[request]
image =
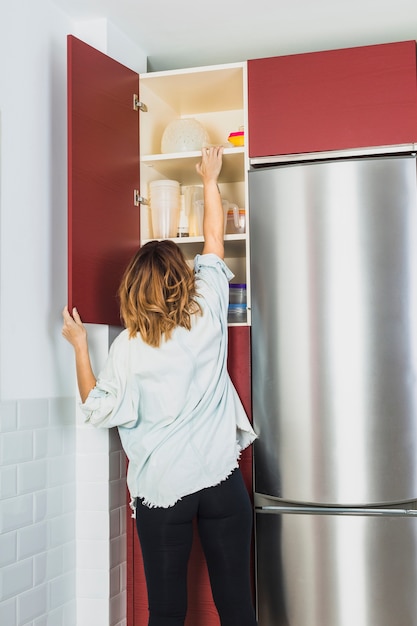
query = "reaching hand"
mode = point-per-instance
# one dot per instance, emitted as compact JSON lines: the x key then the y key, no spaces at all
{"x":73,"y":329}
{"x":211,"y":163}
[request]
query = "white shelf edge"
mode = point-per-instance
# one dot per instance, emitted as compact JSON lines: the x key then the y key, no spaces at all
{"x":198,"y":239}
{"x":187,"y":155}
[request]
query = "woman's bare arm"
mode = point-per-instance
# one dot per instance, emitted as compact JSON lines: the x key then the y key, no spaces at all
{"x":213,"y":223}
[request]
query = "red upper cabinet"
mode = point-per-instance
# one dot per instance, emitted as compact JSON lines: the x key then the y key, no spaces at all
{"x":106,"y":158}
{"x":103,"y":172}
{"x":333,"y":100}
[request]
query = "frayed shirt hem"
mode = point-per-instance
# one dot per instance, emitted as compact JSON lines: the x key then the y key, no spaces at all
{"x":152,"y":505}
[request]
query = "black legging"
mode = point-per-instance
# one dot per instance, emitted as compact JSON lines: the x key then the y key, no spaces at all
{"x":224,"y":517}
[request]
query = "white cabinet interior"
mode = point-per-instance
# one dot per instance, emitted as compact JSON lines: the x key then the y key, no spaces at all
{"x":216,"y":97}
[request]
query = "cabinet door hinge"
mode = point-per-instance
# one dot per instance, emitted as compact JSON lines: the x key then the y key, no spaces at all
{"x":138,"y":105}
{"x":138,"y":199}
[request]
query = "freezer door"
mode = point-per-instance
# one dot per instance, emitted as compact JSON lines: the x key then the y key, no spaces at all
{"x":334,"y":330}
{"x":336,"y":570}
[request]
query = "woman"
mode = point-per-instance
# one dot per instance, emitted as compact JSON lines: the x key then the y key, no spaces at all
{"x":165,"y":386}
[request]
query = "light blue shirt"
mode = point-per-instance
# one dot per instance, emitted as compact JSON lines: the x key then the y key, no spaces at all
{"x":180,"y":419}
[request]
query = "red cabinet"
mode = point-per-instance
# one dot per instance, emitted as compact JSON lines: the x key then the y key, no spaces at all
{"x":103,"y":172}
{"x":333,"y":100}
{"x":104,"y":225}
{"x":106,"y":155}
{"x":201,"y":608}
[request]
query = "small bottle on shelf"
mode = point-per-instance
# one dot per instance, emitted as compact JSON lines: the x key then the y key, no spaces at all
{"x":183,"y":229}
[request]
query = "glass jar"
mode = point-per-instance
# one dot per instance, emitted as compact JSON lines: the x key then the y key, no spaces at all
{"x":237,"y":303}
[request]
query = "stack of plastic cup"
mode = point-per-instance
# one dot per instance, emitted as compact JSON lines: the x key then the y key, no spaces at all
{"x":165,"y":208}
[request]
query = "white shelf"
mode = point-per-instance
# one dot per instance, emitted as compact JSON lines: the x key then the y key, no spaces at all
{"x":230,"y":240}
{"x":181,"y":165}
{"x":216,"y":97}
{"x":199,"y":89}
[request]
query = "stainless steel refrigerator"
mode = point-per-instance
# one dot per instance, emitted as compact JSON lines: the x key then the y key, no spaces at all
{"x":334,"y":345}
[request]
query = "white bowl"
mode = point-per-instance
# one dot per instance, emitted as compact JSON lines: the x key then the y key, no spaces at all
{"x":184,"y":135}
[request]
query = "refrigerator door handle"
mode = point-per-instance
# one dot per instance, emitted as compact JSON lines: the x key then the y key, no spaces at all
{"x":323,"y":510}
{"x":309,"y":157}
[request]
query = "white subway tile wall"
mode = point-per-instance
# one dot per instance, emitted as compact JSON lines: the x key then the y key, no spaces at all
{"x":37,"y":512}
{"x":100,"y":527}
{"x":62,"y":518}
{"x":118,"y":511}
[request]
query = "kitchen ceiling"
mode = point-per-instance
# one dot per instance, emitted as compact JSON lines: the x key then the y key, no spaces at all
{"x":188,"y":34}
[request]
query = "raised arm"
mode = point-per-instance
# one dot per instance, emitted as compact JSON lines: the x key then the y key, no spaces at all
{"x":213,"y":223}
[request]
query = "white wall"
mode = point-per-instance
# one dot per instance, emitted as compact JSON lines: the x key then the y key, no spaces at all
{"x":33,"y":197}
{"x":34,"y":361}
{"x":42,"y":452}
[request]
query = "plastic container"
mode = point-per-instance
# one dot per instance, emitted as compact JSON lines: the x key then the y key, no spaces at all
{"x":236,"y":221}
{"x":191,"y":194}
{"x":198,"y":212}
{"x":237,"y":303}
{"x":237,"y":139}
{"x":165,"y":208}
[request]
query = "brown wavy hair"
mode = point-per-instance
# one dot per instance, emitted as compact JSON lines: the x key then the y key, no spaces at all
{"x":157,"y":292}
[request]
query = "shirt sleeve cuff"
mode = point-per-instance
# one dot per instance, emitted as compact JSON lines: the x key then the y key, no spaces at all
{"x":212,"y":260}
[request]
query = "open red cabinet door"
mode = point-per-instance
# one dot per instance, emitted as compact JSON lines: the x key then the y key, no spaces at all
{"x":103,"y":169}
{"x":103,"y":173}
